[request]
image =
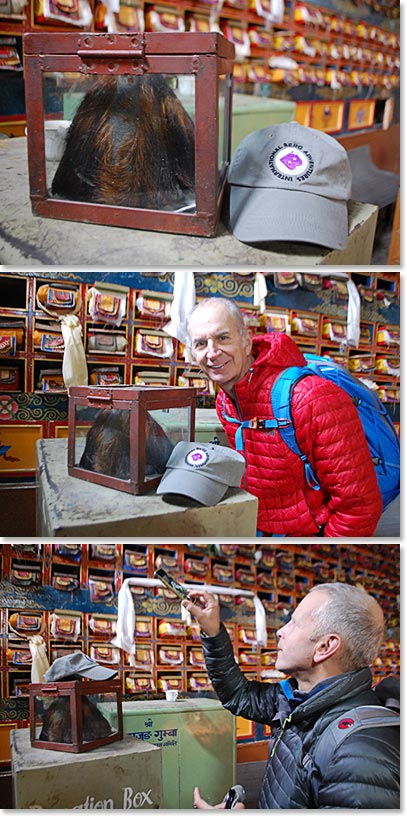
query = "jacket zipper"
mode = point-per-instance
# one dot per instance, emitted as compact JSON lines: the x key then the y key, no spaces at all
{"x":283,"y":727}
{"x":241,"y":417}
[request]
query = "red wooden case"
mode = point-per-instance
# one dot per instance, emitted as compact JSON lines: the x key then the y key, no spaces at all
{"x":127,"y":176}
{"x":122,"y":436}
{"x":68,"y":715}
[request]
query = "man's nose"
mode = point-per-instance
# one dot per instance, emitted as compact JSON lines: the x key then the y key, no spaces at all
{"x":212,"y":348}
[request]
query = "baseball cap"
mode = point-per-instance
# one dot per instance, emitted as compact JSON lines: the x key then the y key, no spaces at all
{"x":77,"y":664}
{"x":291,"y":183}
{"x":201,"y":471}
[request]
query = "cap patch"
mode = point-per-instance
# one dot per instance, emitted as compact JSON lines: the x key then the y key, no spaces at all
{"x":197,"y":458}
{"x":290,"y":161}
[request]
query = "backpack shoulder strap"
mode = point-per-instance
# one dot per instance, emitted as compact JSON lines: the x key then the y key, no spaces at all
{"x":281,"y":398}
{"x":337,"y":731}
{"x":256,"y":423}
{"x":387,"y":692}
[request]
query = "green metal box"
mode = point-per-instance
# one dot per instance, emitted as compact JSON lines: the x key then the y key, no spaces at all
{"x":208,"y":426}
{"x":198,"y":742}
{"x":255,"y":112}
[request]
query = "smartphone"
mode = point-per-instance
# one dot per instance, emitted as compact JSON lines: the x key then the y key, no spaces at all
{"x":171,"y":583}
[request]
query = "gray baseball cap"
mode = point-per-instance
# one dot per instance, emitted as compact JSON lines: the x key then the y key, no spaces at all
{"x":77,"y":664}
{"x":201,"y":471}
{"x":290,"y":183}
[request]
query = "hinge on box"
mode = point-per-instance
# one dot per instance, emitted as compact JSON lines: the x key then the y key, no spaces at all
{"x":117,"y":54}
{"x":101,"y":398}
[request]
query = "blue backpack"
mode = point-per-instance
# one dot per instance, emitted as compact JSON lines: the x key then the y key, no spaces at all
{"x":381,"y":435}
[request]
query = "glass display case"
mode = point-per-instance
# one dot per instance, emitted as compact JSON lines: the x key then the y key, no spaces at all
{"x":131,"y":130}
{"x":122,"y":437}
{"x":67,"y":716}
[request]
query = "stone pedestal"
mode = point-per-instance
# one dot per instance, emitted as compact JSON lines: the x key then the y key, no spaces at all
{"x":27,"y":240}
{"x":71,"y":507}
{"x":126,"y":775}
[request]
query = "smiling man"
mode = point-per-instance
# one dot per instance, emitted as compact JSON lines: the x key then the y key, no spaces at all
{"x":327,"y":425}
{"x":326,"y":649}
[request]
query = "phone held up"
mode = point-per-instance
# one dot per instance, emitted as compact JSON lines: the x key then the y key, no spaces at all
{"x":171,"y":583}
{"x":174,"y":586}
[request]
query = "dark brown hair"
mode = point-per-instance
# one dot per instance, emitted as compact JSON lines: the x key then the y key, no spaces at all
{"x":107,"y":447}
{"x":131,"y":143}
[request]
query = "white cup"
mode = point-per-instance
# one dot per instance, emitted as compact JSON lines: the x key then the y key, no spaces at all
{"x":55,"y":135}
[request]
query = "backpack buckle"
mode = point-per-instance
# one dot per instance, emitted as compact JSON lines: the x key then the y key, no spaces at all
{"x":257,"y":424}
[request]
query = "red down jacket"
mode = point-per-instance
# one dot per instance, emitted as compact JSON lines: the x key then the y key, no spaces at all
{"x":328,"y":430}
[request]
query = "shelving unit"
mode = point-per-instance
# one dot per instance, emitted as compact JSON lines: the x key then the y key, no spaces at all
{"x":68,"y":593}
{"x":377,"y":357}
{"x":326,"y":51}
{"x":322,"y":331}
{"x":344,"y":74}
{"x":32,"y":340}
{"x":142,"y":353}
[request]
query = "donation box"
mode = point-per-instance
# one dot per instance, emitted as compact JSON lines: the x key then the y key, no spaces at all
{"x":123,"y":776}
{"x":129,"y":129}
{"x":122,"y":436}
{"x":197,"y":738}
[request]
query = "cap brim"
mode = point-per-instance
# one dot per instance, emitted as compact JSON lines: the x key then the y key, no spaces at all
{"x":263,"y":214}
{"x":192,"y":484}
{"x":97,"y":673}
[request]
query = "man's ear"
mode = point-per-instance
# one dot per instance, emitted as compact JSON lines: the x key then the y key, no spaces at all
{"x":326,"y":647}
{"x":249,"y":342}
{"x":189,"y":353}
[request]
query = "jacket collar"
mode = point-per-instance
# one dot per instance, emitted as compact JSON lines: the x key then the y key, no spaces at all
{"x":276,"y":350}
{"x":272,"y":353}
{"x":342,"y":687}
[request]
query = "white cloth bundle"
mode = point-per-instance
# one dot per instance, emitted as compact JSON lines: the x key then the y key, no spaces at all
{"x":74,"y":367}
{"x":40,"y":662}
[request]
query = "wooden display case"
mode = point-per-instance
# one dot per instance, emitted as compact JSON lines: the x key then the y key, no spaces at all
{"x":66,"y":716}
{"x":182,"y":84}
{"x":145,"y":423}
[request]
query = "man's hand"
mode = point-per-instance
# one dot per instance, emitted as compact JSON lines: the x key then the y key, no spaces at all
{"x":206,"y":610}
{"x":201,"y":804}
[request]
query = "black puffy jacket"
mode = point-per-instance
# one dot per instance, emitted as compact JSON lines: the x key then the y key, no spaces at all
{"x":364,"y":770}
